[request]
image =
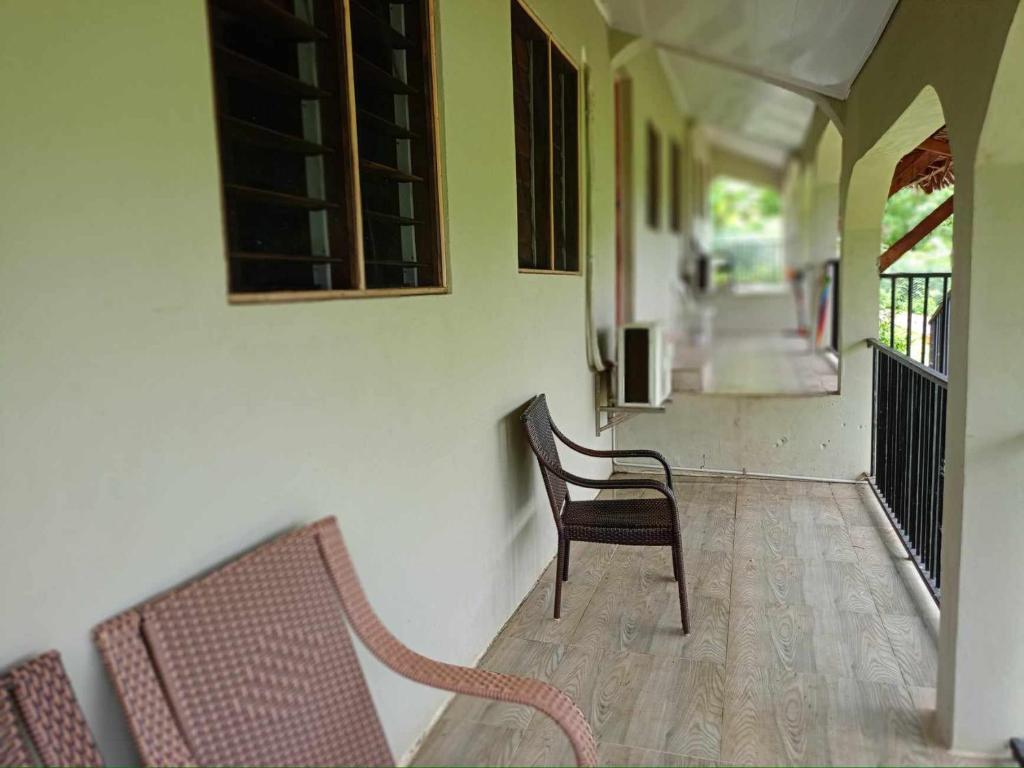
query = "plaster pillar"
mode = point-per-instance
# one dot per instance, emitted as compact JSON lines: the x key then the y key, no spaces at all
{"x":981,"y":663}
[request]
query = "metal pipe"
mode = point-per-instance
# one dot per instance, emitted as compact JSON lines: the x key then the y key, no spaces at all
{"x":924,"y":370}
{"x":736,"y":473}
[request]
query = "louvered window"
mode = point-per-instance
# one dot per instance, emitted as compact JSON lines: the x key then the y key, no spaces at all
{"x":545,"y":91}
{"x":328,"y":151}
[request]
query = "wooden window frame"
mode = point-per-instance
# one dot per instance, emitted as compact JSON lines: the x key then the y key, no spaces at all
{"x":351,"y":181}
{"x":554,"y":45}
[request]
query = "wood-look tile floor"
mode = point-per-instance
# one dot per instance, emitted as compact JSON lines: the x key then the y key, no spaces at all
{"x":808,"y":646}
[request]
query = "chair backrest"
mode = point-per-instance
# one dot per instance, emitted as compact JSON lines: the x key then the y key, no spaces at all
{"x":537,"y":421}
{"x":40,"y":720}
{"x":251,"y":664}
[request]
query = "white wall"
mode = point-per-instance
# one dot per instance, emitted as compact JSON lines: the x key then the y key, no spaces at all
{"x":656,"y":252}
{"x":981,"y":661}
{"x":149,"y":430}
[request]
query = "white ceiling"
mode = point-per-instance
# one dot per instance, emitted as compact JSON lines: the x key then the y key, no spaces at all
{"x":739,"y":66}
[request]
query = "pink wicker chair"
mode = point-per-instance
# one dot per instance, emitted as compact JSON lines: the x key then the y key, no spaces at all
{"x":253,"y":665}
{"x":40,"y":721}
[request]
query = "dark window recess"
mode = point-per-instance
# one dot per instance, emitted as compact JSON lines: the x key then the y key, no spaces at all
{"x":565,"y":154}
{"x":675,"y":187}
{"x":545,"y":93}
{"x":653,"y":177}
{"x":288,"y":164}
{"x":394,"y":109}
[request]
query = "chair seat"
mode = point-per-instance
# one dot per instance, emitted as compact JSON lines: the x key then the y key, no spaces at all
{"x":620,"y":521}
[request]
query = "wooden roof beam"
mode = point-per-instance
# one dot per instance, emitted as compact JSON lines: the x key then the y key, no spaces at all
{"x":936,"y":146}
{"x":909,"y":169}
{"x":921,"y":230}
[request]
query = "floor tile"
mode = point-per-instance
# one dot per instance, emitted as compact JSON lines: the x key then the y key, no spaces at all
{"x":463,"y":742}
{"x":887,"y":582}
{"x":615,"y":755}
{"x":775,"y":717}
{"x":760,"y":539}
{"x":534,"y":619}
{"x":805,"y":639}
{"x":708,"y":574}
{"x":707,"y":532}
{"x":793,"y":581}
{"x":915,"y":648}
{"x":510,"y":655}
{"x":667,"y":704}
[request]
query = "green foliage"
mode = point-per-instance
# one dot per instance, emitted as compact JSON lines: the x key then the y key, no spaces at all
{"x":898,"y":308}
{"x":902,"y":212}
{"x":740,"y":208}
{"x":895,"y":294}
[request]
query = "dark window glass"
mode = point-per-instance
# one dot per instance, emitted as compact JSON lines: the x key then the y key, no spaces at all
{"x":290,"y":120}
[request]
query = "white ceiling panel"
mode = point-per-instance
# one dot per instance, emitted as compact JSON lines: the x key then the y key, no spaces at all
{"x":815,"y":44}
{"x":753,"y":117}
{"x":743,"y":67}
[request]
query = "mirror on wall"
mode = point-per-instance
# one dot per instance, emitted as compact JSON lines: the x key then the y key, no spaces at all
{"x":756,"y":313}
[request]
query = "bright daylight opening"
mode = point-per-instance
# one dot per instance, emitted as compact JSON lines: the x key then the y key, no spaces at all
{"x":746,"y":244}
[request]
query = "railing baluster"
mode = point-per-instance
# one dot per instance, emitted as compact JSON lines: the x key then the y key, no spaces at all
{"x":907,"y":454}
{"x":910,"y":313}
{"x":933,"y":349}
{"x":924,"y":320}
{"x":945,"y":325}
{"x":927,"y":486}
{"x":892,"y":312}
{"x":874,"y":411}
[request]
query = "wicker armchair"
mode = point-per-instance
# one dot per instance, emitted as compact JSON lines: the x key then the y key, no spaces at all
{"x":253,"y":665}
{"x":40,"y":721}
{"x":644,"y":522}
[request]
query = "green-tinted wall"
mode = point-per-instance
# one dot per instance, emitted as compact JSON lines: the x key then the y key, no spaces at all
{"x":150,"y":430}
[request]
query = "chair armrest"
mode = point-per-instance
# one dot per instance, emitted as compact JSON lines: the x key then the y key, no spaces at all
{"x":450,"y":677}
{"x":622,"y":453}
{"x":615,"y":483}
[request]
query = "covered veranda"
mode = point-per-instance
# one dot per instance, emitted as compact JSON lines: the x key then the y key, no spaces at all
{"x":268,"y":261}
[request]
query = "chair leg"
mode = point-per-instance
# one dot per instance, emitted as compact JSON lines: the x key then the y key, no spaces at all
{"x":675,"y":564}
{"x":558,"y":579}
{"x":684,"y":609}
{"x":565,"y":561}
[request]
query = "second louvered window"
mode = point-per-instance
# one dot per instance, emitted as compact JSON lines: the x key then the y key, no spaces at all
{"x":545,"y":93}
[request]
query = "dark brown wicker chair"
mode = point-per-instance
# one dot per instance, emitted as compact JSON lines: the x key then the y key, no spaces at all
{"x":40,"y":721}
{"x":645,"y":522}
{"x":253,"y":665}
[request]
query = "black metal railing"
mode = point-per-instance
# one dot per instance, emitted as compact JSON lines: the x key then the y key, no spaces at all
{"x":908,"y":450}
{"x":832,"y":273}
{"x":914,"y":316}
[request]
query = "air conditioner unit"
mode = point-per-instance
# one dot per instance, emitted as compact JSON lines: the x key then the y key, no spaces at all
{"x":644,"y":365}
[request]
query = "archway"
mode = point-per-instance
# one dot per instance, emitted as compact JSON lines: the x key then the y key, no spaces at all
{"x":862,"y":209}
{"x":824,"y":239}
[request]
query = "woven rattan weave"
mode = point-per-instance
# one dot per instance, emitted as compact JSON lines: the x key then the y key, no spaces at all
{"x":40,"y":720}
{"x":253,"y":665}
